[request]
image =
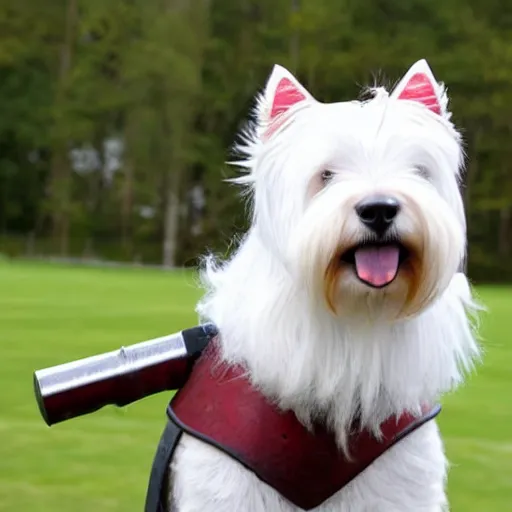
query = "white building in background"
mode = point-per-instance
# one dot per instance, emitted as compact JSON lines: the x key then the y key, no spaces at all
{"x":87,"y":159}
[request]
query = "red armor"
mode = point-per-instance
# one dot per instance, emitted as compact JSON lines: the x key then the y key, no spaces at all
{"x":219,"y":406}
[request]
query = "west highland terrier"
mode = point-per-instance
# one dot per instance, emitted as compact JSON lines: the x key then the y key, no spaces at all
{"x":345,"y":303}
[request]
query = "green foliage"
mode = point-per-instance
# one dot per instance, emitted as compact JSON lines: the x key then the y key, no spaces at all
{"x":175,"y":79}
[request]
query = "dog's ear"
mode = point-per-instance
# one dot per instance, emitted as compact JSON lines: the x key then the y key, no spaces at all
{"x":419,"y":85}
{"x":283,"y":94}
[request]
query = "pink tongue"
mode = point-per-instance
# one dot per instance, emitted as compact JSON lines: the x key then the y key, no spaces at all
{"x":377,"y":266}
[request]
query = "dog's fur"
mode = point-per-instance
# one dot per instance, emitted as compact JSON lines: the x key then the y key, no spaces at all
{"x":312,"y":335}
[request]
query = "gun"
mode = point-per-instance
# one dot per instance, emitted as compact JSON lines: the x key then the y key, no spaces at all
{"x":120,"y":377}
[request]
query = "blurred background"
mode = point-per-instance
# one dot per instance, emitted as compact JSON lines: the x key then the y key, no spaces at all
{"x":116,"y":118}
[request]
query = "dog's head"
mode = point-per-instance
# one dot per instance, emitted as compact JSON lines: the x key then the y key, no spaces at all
{"x":360,"y":200}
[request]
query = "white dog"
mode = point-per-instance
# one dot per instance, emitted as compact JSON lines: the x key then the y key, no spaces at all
{"x":345,"y":299}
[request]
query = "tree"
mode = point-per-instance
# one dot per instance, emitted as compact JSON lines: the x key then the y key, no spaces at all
{"x":169,"y":83}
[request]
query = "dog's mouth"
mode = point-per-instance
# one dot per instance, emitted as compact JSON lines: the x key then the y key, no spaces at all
{"x":376,"y":264}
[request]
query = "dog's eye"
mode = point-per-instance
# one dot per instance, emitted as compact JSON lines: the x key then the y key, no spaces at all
{"x":327,"y":176}
{"x":423,"y":172}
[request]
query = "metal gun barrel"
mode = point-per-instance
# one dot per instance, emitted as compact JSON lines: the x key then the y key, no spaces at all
{"x":120,"y":377}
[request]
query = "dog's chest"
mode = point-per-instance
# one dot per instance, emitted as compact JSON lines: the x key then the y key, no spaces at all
{"x":218,"y":407}
{"x":409,"y":476}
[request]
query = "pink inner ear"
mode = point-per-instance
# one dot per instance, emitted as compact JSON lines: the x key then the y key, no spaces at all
{"x":420,"y":88}
{"x":286,"y":95}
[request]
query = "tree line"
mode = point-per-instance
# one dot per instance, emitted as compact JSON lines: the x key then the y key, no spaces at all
{"x":117,"y":117}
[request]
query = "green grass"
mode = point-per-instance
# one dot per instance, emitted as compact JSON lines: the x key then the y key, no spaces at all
{"x":51,"y":314}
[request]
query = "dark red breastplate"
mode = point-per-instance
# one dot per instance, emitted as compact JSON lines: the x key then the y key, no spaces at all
{"x":219,"y":406}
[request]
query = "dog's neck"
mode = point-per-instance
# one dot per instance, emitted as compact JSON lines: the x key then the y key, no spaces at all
{"x":321,"y":366}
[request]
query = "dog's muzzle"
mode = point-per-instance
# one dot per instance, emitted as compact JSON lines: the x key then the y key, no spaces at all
{"x":378,"y":258}
{"x":378,"y":213}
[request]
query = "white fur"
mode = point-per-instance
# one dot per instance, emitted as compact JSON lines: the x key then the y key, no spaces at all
{"x":378,"y":354}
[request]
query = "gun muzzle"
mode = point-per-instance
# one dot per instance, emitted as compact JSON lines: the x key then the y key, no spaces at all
{"x":120,"y":377}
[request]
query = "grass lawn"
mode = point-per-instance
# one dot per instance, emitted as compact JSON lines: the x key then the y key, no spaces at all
{"x":51,"y":314}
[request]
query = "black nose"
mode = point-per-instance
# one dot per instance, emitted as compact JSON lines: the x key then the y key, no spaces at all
{"x":378,"y":212}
